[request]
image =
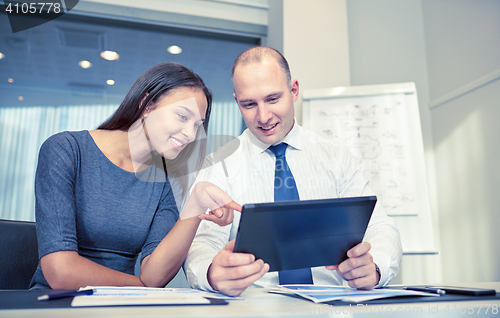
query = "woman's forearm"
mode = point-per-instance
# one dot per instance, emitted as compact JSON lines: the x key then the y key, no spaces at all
{"x":69,"y":270}
{"x":162,"y":265}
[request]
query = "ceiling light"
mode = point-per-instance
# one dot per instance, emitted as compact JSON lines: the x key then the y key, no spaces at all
{"x":174,"y":49}
{"x":85,"y":64}
{"x":10,"y":80}
{"x":21,"y":98}
{"x":110,"y":82}
{"x":110,"y":55}
{"x":1,"y":55}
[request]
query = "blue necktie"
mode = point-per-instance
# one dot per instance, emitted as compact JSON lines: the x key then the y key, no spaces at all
{"x":285,"y":189}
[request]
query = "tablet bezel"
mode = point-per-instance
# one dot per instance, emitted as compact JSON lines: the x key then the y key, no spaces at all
{"x":278,"y":233}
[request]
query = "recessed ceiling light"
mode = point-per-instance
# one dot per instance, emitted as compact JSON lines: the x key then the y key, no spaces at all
{"x":10,"y":80}
{"x":1,"y":55}
{"x":174,"y":49}
{"x":110,"y":55}
{"x":85,"y":64}
{"x":21,"y":98}
{"x":110,"y":82}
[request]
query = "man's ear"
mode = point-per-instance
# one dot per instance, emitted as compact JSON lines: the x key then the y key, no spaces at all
{"x":295,"y":90}
{"x":235,"y":98}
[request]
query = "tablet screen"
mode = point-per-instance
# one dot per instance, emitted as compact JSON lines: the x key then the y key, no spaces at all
{"x":300,"y":234}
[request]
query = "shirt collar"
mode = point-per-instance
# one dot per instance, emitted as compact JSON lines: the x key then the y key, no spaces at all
{"x":292,"y":139}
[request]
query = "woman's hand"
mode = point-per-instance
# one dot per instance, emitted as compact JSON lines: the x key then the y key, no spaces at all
{"x":163,"y":264}
{"x":220,"y":204}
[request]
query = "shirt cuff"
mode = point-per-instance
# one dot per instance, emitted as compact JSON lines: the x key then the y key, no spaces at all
{"x":384,"y":269}
{"x":199,"y":279}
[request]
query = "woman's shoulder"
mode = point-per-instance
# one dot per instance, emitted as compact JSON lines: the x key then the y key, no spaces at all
{"x":66,"y":141}
{"x":67,"y":137}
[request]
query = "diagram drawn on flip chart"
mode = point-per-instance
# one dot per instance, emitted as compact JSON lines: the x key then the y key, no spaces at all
{"x":380,"y":124}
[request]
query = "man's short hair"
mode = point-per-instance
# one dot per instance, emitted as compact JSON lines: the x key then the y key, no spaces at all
{"x":259,"y":53}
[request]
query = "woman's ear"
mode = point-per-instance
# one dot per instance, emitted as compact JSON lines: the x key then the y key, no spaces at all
{"x":147,"y":110}
{"x":142,"y":99}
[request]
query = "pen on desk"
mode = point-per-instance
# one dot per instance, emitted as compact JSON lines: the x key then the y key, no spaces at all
{"x":427,"y":290}
{"x":66,"y":294}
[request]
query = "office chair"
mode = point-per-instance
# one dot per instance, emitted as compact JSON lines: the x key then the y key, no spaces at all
{"x":18,"y":254}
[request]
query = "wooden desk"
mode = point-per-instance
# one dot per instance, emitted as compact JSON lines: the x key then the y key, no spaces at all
{"x":259,"y":303}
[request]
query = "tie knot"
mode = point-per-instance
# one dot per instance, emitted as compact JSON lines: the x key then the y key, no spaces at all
{"x":279,"y":150}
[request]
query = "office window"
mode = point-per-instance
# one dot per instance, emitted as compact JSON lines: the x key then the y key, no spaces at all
{"x":53,"y":78}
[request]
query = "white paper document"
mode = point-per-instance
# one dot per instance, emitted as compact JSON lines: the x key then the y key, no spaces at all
{"x":320,"y":294}
{"x":130,"y":296}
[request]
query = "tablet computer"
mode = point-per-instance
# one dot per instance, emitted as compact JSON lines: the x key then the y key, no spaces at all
{"x":299,"y":234}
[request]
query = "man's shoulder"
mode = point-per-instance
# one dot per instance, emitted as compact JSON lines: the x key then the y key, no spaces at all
{"x":229,"y":145}
{"x":323,"y":148}
{"x":307,"y":132}
{"x":311,"y":138}
{"x":226,"y":149}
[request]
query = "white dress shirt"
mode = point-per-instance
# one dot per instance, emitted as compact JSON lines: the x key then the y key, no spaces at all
{"x":321,"y":170}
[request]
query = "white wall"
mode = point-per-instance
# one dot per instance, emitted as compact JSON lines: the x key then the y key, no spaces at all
{"x":315,"y":43}
{"x":467,"y":152}
{"x":442,"y":45}
{"x":463,"y":44}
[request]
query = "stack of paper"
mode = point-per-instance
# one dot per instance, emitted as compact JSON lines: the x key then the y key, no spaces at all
{"x":320,"y":294}
{"x":126,"y":296}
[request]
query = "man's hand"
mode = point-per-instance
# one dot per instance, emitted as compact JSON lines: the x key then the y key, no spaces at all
{"x":231,"y":273}
{"x":359,"y":269}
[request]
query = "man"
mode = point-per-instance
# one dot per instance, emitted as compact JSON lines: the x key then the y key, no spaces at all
{"x":265,"y":94}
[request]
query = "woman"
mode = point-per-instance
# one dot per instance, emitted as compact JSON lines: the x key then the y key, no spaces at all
{"x":103,"y":196}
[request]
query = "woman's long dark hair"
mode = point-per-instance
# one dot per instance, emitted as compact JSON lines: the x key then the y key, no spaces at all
{"x":159,"y":80}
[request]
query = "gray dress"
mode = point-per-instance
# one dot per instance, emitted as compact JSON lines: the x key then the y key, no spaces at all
{"x":87,"y":204}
